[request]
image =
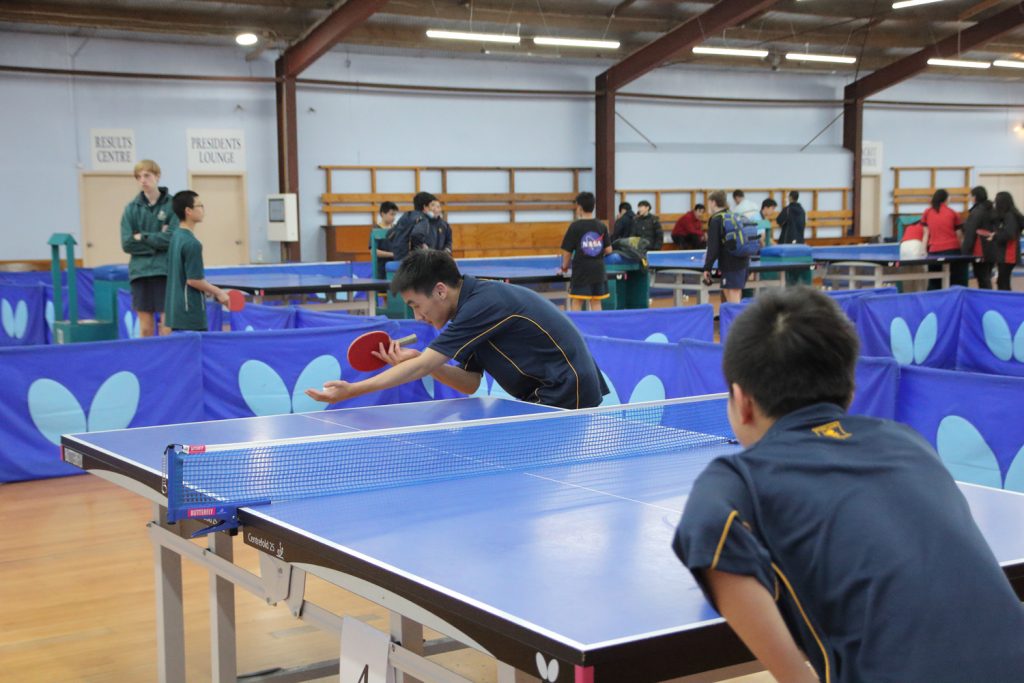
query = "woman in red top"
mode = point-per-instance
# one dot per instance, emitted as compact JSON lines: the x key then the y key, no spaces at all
{"x":1008,"y":223}
{"x":941,"y":224}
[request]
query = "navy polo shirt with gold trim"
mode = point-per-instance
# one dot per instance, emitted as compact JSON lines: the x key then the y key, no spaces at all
{"x":524,"y":342}
{"x":868,"y":546}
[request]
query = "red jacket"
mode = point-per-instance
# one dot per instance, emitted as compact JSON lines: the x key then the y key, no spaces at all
{"x":688,"y":224}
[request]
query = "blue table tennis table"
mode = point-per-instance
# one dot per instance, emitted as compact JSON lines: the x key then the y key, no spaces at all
{"x":562,"y":572}
{"x":682,"y":271}
{"x":334,"y":281}
{"x":875,"y":265}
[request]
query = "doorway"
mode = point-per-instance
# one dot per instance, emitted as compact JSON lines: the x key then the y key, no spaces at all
{"x":224,"y":231}
{"x":103,"y":198}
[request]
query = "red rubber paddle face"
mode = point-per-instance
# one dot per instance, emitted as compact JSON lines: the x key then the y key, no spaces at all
{"x":236,"y":300}
{"x":360,"y":351}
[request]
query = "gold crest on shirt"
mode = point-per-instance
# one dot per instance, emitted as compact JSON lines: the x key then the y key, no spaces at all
{"x":832,"y":430}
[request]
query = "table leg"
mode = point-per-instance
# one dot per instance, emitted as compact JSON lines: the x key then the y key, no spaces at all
{"x":223,"y":658}
{"x":945,"y":275}
{"x":170,"y":617}
{"x":410,"y":635}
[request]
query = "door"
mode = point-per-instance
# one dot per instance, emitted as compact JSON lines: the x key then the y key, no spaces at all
{"x":103,"y":198}
{"x":224,"y":231}
{"x":870,"y":205}
{"x":1004,"y":182}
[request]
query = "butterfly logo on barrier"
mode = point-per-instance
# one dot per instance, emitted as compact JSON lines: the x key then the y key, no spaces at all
{"x":909,"y":348}
{"x":55,"y":410}
{"x":650,"y":388}
{"x":969,"y":458}
{"x":266,"y":393}
{"x":659,"y":337}
{"x":49,"y":316}
{"x":15,"y":318}
{"x":998,"y":339}
{"x":548,"y":670}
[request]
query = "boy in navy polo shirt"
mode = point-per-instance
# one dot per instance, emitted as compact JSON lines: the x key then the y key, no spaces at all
{"x":586,"y":243}
{"x":526,"y":344}
{"x":835,"y":538}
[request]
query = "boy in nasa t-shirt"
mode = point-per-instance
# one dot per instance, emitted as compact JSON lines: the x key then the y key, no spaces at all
{"x":586,"y":242}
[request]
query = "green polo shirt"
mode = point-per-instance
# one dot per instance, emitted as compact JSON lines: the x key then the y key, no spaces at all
{"x":185,"y":307}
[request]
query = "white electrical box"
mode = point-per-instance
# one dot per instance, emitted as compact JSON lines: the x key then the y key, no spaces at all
{"x":282,"y":217}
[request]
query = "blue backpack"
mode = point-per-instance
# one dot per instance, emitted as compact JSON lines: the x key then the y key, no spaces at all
{"x":740,"y":235}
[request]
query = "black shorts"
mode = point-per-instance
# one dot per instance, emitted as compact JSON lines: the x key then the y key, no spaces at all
{"x":734,"y":279}
{"x":597,"y":290}
{"x":148,"y":294}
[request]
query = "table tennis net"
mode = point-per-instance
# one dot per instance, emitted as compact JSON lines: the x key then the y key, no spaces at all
{"x":260,"y":472}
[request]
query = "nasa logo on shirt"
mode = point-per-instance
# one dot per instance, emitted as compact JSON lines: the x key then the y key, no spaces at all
{"x":591,"y":244}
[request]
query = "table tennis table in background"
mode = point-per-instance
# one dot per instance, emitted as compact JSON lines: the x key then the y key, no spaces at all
{"x":560,"y":567}
{"x":875,"y":265}
{"x":336,"y":282}
{"x":682,"y":271}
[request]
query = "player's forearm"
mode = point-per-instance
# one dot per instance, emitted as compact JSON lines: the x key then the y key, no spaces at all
{"x":752,"y":614}
{"x":457,"y":378}
{"x":566,"y":257}
{"x":413,"y":369}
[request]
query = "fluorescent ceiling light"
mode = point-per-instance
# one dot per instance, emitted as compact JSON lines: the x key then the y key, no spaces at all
{"x":804,"y":57}
{"x":479,"y":37}
{"x":578,"y":42}
{"x":732,"y":52}
{"x":246,"y":39}
{"x":912,"y":3}
{"x":1008,"y":64}
{"x":962,"y":63}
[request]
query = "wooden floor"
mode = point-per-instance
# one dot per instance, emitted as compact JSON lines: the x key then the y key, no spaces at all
{"x":76,"y":590}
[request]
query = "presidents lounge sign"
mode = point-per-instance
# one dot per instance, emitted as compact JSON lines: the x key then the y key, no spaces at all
{"x":215,"y":150}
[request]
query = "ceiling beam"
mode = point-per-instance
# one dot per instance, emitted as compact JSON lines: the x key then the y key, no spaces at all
{"x":977,"y":9}
{"x":325,"y":35}
{"x":693,"y":32}
{"x":950,"y":47}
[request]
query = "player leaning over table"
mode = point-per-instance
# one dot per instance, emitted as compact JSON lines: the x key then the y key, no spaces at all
{"x":837,"y":538}
{"x":526,"y":344}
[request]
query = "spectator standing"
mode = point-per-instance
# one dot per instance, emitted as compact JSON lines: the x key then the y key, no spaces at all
{"x":734,"y":268}
{"x":792,"y":220}
{"x":941,"y":224}
{"x":978,"y":237}
{"x":1008,"y":223}
{"x":742,"y":206}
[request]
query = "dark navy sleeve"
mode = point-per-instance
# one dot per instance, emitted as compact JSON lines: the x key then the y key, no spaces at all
{"x":716,"y":530}
{"x":477,"y":320}
{"x":714,"y":241}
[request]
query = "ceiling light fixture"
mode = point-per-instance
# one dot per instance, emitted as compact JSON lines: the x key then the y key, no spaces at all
{"x":246,"y":39}
{"x":960,"y":63}
{"x":731,"y":52}
{"x":806,"y":57}
{"x":578,"y":42}
{"x":1010,"y":64}
{"x":912,"y":3}
{"x":478,"y":37}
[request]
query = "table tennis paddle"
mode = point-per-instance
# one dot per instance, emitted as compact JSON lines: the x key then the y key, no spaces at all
{"x":360,"y":351}
{"x":236,"y":300}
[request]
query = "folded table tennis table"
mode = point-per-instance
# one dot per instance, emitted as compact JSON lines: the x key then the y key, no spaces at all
{"x":560,"y":568}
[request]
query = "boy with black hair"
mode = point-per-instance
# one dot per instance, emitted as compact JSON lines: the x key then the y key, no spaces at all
{"x":647,"y":226}
{"x":185,"y":307}
{"x":836,"y":538}
{"x":734,"y":268}
{"x":623,"y":222}
{"x":147,"y":224}
{"x":586,"y":242}
{"x":421,"y":228}
{"x":792,"y":220}
{"x":527,"y":345}
{"x":385,"y":219}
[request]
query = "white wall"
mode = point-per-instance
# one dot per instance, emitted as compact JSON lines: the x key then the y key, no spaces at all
{"x":44,"y":125}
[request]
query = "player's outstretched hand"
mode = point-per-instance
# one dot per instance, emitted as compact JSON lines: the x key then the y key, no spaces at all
{"x":333,"y":391}
{"x":395,"y":353}
{"x":222,"y":297}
